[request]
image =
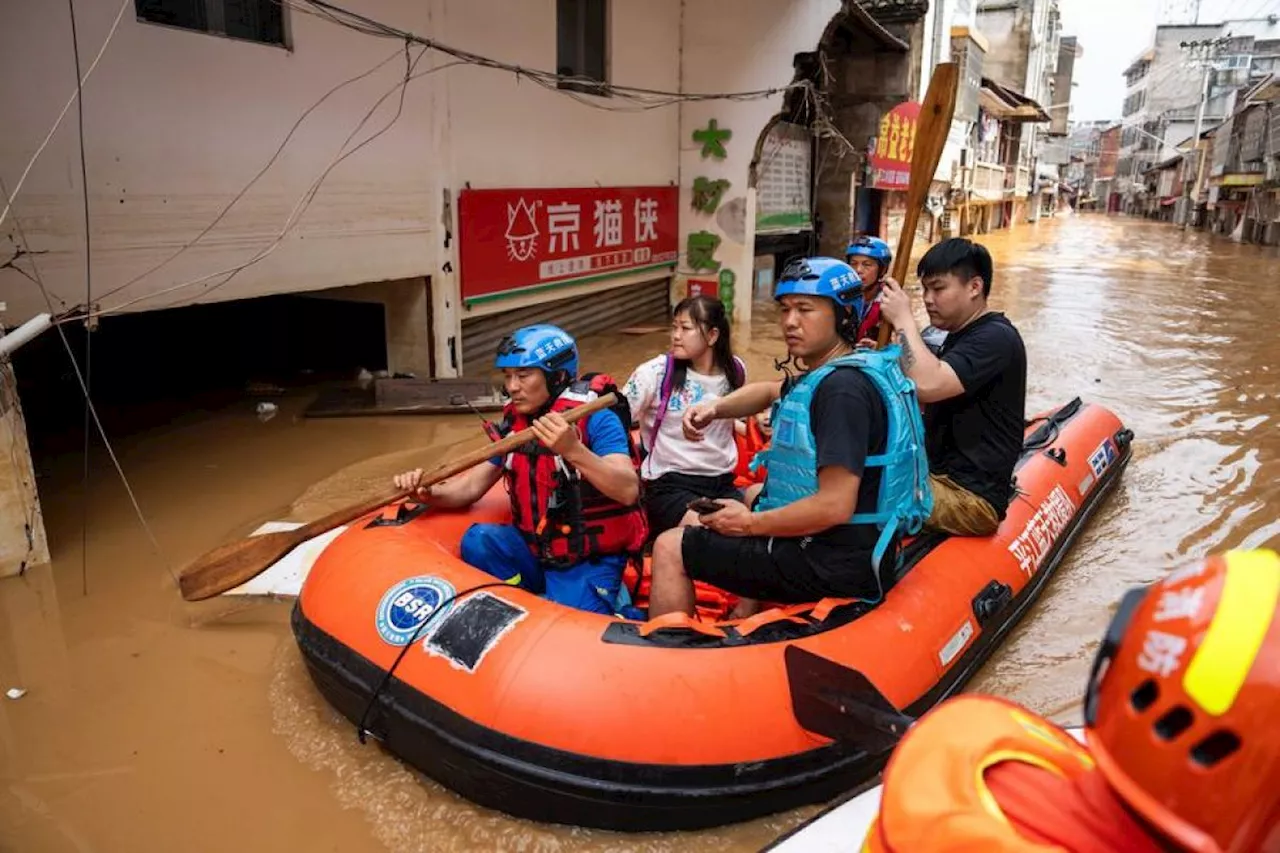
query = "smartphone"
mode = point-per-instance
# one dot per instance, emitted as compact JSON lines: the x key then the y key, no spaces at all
{"x":704,"y":506}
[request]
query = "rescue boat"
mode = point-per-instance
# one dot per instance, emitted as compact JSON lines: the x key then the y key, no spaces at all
{"x":558,"y":715}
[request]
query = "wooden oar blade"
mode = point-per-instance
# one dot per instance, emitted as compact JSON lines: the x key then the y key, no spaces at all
{"x":228,"y":566}
{"x":932,"y":130}
{"x":938,"y":109}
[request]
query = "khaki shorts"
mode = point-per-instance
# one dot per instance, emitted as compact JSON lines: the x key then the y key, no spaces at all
{"x":959,"y":511}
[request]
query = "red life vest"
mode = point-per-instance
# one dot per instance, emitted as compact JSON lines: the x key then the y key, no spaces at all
{"x":870,"y":325}
{"x":563,"y":518}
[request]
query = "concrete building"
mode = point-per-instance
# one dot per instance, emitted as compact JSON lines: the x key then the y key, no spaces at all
{"x":1242,"y":189}
{"x":1079,"y":152}
{"x":1069,"y":50}
{"x":262,"y":158}
{"x":1164,"y":86}
{"x":1025,"y":38}
{"x":1160,"y":80}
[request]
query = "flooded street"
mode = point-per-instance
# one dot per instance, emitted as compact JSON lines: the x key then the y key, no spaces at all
{"x":153,"y":724}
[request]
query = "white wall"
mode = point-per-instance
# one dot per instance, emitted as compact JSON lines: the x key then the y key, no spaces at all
{"x":505,"y":132}
{"x":737,"y":45}
{"x":510,"y":133}
{"x":178,"y":121}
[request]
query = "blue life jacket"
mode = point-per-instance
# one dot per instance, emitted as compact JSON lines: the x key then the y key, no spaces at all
{"x":905,"y":499}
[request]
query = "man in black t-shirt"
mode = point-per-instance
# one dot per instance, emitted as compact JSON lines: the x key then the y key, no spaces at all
{"x":805,"y":549}
{"x":974,"y":390}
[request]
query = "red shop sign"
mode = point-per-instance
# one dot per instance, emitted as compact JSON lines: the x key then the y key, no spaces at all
{"x":514,"y":239}
{"x":895,"y":144}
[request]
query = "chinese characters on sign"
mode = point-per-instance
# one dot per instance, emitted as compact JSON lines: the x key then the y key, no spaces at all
{"x":712,"y":140}
{"x":517,"y":238}
{"x":707,"y":194}
{"x":783,"y":180}
{"x":700,"y":246}
{"x":1049,"y":520}
{"x":890,"y":162}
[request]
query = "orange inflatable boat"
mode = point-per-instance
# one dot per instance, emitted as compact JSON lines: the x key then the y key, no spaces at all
{"x":554,"y":714}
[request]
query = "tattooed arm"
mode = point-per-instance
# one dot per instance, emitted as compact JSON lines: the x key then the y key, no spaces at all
{"x":935,"y":379}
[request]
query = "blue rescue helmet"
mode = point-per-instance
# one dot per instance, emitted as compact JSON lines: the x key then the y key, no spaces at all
{"x":829,"y":278}
{"x":549,"y":348}
{"x":872,"y":247}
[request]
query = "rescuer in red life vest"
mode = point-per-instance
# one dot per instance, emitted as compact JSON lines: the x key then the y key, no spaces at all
{"x":870,"y":258}
{"x":574,"y":492}
{"x":1183,"y":748}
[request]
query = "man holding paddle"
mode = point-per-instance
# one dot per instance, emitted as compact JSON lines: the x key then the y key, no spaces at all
{"x":574,"y":491}
{"x":974,"y":392}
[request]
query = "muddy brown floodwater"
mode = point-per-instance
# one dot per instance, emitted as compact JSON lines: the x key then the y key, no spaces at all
{"x":152,"y":724}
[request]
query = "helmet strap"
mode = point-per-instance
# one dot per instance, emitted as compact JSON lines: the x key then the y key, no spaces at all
{"x":557,"y":383}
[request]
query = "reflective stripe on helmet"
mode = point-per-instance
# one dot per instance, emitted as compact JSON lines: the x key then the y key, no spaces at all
{"x":1247,"y":605}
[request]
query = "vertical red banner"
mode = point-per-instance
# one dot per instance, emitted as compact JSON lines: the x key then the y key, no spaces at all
{"x":891,"y":161}
{"x":516,"y":239}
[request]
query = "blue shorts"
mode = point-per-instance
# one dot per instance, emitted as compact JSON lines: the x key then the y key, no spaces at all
{"x":500,"y":550}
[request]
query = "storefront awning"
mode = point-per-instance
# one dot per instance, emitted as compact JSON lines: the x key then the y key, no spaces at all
{"x":1007,"y":104}
{"x":1242,"y":179}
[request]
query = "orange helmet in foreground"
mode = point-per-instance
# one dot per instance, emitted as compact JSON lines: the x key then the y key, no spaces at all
{"x":1182,"y":712}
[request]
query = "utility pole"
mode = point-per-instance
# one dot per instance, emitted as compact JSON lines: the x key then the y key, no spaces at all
{"x":1207,"y":53}
{"x":1192,"y":187}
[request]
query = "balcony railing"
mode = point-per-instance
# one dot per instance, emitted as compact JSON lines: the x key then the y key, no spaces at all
{"x":985,"y":181}
{"x":1018,"y":180}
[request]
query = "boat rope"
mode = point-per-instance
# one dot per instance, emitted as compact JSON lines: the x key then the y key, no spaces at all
{"x":361,"y":730}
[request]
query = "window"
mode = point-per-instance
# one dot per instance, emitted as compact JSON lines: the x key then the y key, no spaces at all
{"x":582,"y":43}
{"x":253,"y":20}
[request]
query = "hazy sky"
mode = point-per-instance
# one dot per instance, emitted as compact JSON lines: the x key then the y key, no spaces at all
{"x":1113,"y":32}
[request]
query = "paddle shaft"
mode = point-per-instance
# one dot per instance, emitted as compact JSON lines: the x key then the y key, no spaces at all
{"x":931,"y":136}
{"x":228,"y":566}
{"x":445,"y":470}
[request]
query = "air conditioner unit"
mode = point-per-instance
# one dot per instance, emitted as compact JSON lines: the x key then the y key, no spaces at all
{"x":1273,"y":170}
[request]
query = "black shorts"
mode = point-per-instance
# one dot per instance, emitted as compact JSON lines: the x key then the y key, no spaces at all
{"x":788,"y":571}
{"x":666,"y":499}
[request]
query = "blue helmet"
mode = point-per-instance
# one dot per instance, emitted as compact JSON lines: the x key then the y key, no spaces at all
{"x":873,"y":248}
{"x":826,"y":277}
{"x":546,"y":347}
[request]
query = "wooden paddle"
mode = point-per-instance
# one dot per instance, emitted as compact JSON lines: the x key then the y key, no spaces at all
{"x":228,"y":566}
{"x":931,"y":135}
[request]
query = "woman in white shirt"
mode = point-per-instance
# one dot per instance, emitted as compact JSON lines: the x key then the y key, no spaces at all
{"x":700,"y":367}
